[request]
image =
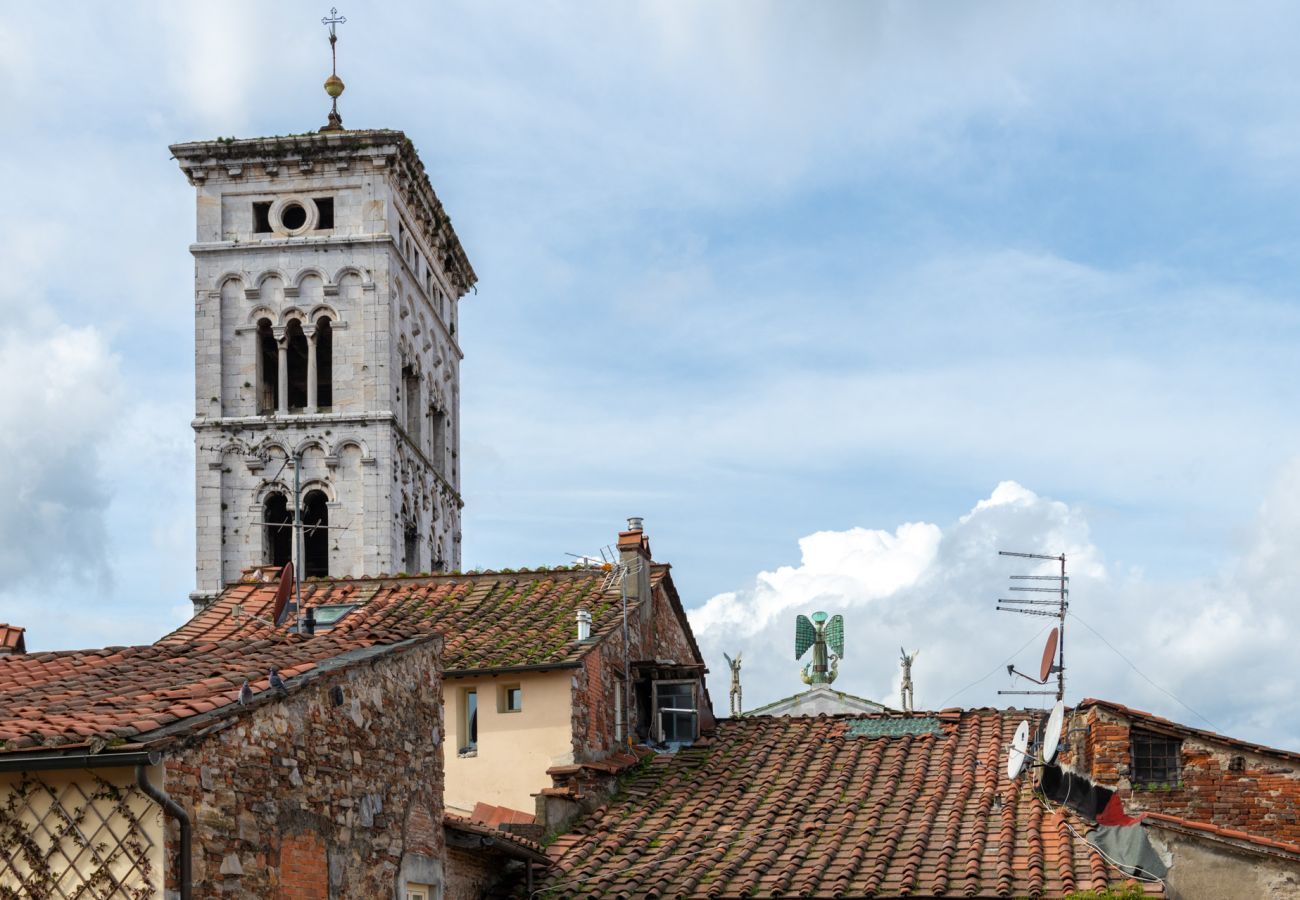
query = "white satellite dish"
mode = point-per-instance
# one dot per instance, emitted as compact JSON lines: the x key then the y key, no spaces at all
{"x":1052,"y":733}
{"x":1019,"y":747}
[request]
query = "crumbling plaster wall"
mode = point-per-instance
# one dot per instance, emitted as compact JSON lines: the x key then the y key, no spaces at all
{"x":1202,"y":870}
{"x":300,"y":793}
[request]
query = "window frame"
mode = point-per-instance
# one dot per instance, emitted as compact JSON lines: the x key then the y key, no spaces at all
{"x":467,"y":739}
{"x":656,"y":711}
{"x":503,"y":698}
{"x":1155,"y":759}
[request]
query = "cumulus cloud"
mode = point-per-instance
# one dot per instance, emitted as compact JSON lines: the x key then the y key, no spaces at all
{"x":60,"y":397}
{"x":1209,"y":652}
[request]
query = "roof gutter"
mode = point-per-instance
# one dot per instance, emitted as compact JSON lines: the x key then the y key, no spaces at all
{"x":176,"y":812}
{"x":85,"y":760}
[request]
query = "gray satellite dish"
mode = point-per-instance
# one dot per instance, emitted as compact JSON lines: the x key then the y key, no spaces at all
{"x":1019,"y":747}
{"x":1052,"y":733}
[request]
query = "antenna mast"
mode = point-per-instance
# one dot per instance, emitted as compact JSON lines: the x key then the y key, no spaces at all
{"x":1054,"y":658}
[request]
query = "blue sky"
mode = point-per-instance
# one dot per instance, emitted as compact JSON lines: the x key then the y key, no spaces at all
{"x":839,"y":297}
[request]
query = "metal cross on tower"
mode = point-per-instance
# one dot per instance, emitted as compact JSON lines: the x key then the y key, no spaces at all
{"x":333,"y":84}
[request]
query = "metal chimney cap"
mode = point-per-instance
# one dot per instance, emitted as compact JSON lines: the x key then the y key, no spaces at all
{"x":634,"y":523}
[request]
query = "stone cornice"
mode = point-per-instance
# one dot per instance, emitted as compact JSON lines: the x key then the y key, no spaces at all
{"x":206,"y":161}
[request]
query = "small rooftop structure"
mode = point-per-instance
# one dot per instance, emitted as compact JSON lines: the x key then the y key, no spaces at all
{"x":819,"y":700}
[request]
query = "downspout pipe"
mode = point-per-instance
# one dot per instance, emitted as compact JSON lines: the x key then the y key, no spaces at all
{"x":176,"y":812}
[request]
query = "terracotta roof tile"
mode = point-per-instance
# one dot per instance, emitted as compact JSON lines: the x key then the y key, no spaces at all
{"x":490,"y":620}
{"x":71,"y":697}
{"x":509,"y":843}
{"x":793,"y":806}
{"x":1221,"y":831}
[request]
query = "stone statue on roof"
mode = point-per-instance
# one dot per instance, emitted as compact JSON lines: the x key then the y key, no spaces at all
{"x":825,"y":635}
{"x":905,"y":692}
{"x":735,"y":682}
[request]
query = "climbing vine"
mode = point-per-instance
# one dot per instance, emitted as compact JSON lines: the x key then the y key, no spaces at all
{"x":71,"y":849}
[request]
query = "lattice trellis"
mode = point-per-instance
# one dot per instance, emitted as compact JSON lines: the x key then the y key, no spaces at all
{"x":74,"y":840}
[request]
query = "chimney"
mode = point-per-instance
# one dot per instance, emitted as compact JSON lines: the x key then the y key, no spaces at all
{"x":12,"y":640}
{"x":634,"y":556}
{"x":584,"y":625}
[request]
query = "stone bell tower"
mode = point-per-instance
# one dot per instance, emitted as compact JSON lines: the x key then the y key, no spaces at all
{"x":326,"y":282}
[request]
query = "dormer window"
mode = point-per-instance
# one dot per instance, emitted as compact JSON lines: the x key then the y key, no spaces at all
{"x":1157,"y":759}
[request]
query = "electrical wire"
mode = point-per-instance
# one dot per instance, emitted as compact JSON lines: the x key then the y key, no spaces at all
{"x":1002,"y":665}
{"x":1153,"y":879}
{"x":1147,"y":679}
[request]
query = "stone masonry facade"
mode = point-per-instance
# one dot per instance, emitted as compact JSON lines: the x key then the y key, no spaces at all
{"x":332,"y":792}
{"x":327,"y":278}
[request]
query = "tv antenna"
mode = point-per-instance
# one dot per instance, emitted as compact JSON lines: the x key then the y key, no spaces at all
{"x":1056,"y":607}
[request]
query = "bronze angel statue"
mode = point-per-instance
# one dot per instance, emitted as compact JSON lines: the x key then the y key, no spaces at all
{"x":825,"y":635}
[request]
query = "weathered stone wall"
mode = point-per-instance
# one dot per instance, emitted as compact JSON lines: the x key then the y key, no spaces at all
{"x":301,"y":798}
{"x":1262,"y":797}
{"x":666,"y":634}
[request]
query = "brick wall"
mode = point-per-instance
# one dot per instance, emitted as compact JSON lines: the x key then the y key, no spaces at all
{"x":301,"y":798}
{"x":656,"y":633}
{"x":470,"y":876}
{"x":1262,"y":797}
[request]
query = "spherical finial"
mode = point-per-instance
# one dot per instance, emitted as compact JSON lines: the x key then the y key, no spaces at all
{"x":334,"y":86}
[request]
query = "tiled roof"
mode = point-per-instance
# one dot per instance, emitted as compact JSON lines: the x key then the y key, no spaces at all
{"x":493,"y":816}
{"x":127,"y":695}
{"x":512,"y":845}
{"x":795,"y":806}
{"x":493,"y":620}
{"x":1170,"y":725}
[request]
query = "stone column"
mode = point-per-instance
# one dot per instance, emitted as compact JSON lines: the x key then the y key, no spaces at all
{"x":310,"y":332}
{"x":282,"y":346}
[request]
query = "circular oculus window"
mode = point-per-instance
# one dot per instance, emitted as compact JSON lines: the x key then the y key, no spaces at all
{"x":293,"y":215}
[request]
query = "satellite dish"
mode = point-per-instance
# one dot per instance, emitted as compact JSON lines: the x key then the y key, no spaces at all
{"x":1052,"y":733}
{"x":1019,"y":746}
{"x":1049,"y":655}
{"x":282,"y":593}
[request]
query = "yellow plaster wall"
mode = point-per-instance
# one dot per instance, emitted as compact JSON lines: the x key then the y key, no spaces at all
{"x":69,"y":789}
{"x":514,"y":749}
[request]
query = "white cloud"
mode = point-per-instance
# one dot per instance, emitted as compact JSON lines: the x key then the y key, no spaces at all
{"x":60,"y":398}
{"x":1219,"y":645}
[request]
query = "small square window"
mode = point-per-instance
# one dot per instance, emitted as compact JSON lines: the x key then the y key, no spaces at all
{"x":262,"y":218}
{"x":1157,"y":759}
{"x":324,"y":213}
{"x":510,"y":698}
